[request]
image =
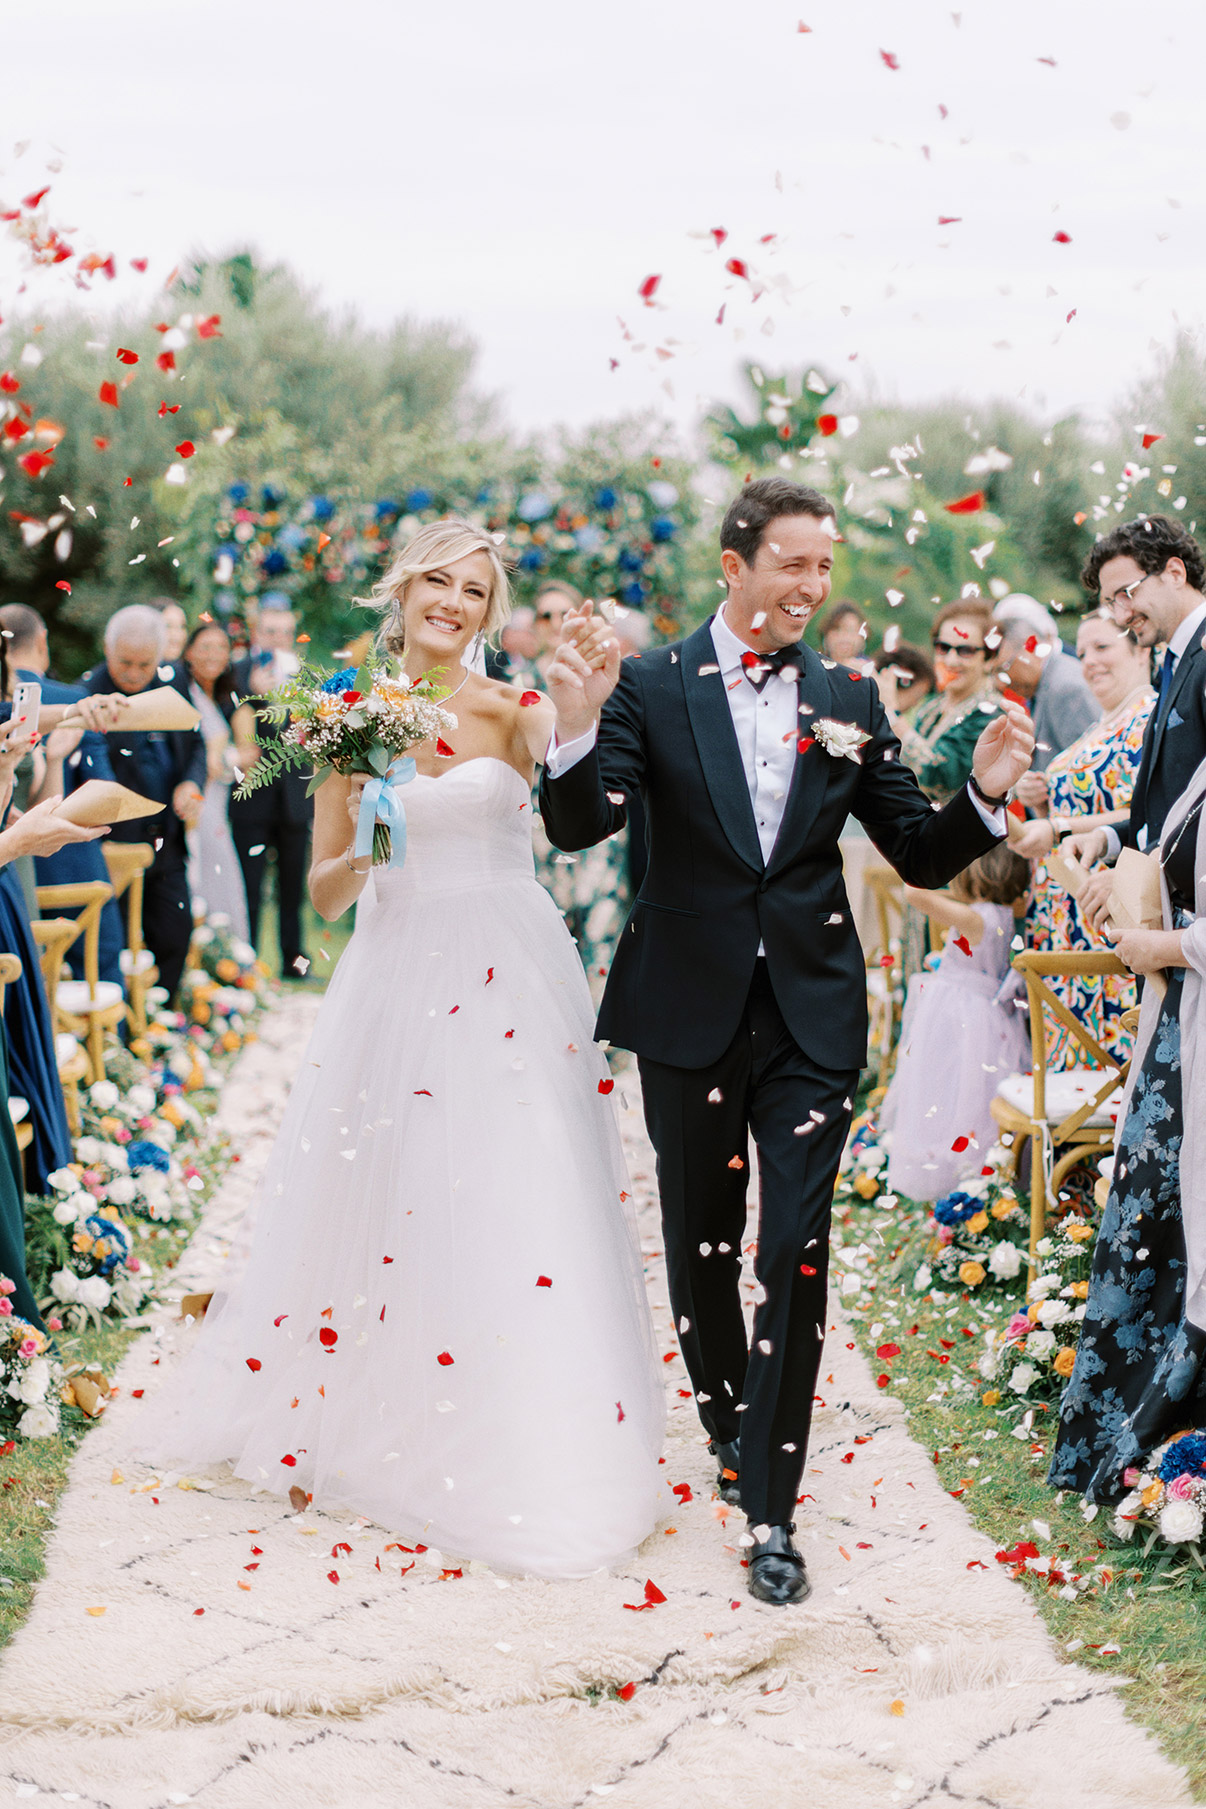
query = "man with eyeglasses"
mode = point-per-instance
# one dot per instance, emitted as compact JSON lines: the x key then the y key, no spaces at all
{"x":1151,"y":575}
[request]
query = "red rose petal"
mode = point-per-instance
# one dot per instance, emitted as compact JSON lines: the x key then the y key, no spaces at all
{"x":605,"y":1086}
{"x":328,"y":1336}
{"x":827,"y":424}
{"x":442,"y":748}
{"x":544,"y":1281}
{"x":127,"y":356}
{"x":108,"y":394}
{"x":886,"y":1351}
{"x":966,"y":505}
{"x":186,"y":449}
{"x":959,"y":1145}
{"x":253,"y":1363}
{"x":445,"y":1358}
{"x":653,"y":1593}
{"x":290,"y":1461}
{"x":626,"y":1692}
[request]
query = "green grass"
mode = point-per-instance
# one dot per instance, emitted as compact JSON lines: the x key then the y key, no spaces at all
{"x":323,"y":942}
{"x":1159,"y":1625}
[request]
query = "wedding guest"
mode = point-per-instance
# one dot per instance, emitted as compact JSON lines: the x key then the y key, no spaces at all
{"x":913,"y":670}
{"x":38,"y":833}
{"x":961,"y":1034}
{"x":175,"y":628}
{"x":206,"y":678}
{"x":518,"y":640}
{"x":842,"y":634}
{"x":938,"y":742}
{"x":275,"y":820}
{"x":27,"y":643}
{"x":1140,"y":1369}
{"x":1062,"y":704}
{"x":1088,"y":785}
{"x":167,"y":765}
{"x":1150,"y":575}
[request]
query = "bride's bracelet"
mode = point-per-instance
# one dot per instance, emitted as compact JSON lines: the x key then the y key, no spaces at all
{"x":348,"y":857}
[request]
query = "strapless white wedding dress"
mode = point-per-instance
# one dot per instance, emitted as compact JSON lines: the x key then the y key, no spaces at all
{"x":444,"y":1291}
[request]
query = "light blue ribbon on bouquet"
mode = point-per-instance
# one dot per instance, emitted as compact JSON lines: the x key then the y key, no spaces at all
{"x":380,"y":803}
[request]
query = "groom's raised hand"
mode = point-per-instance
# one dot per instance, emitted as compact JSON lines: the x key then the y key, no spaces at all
{"x":583,"y":672}
{"x":1004,"y":750}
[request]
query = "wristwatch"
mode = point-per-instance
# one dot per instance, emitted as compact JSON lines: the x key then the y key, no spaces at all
{"x":993,"y":803}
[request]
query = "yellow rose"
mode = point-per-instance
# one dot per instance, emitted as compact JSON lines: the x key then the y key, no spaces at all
{"x":992,"y":1398}
{"x":978,"y":1223}
{"x":82,"y":1241}
{"x":1065,"y":1358}
{"x":110,"y":1126}
{"x":971,"y":1274}
{"x":866,"y":1186}
{"x":1079,"y":1233}
{"x":171,"y":1111}
{"x":1079,"y":1290}
{"x":1152,"y":1494}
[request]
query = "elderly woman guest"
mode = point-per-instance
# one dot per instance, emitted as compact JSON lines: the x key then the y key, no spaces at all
{"x":1140,"y":1373}
{"x":1089,"y":784}
{"x":214,"y":874}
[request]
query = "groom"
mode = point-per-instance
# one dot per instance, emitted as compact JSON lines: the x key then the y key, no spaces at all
{"x":738,"y":979}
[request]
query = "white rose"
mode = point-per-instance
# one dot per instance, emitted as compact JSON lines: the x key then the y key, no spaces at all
{"x":841,"y":739}
{"x":1053,"y":1312}
{"x":1044,"y":1247}
{"x":1023,"y":1377}
{"x":104,"y":1095}
{"x":67,"y":1212}
{"x":243,"y":953}
{"x":64,"y":1180}
{"x":1041,"y":1286}
{"x":1005,"y":1259}
{"x":1040,"y":1344}
{"x":1180,"y":1520}
{"x":65,"y":1284}
{"x":180,"y":1061}
{"x":122,"y":1192}
{"x":38,"y":1422}
{"x":33,"y":1382}
{"x":94,"y":1292}
{"x":87,"y":1150}
{"x":142,"y":1099}
{"x":989,"y":1364}
{"x":1124,"y":1524}
{"x":923,"y":1277}
{"x":115,"y":1156}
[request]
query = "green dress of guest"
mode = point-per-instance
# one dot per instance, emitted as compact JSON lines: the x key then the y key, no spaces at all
{"x":12,"y":1205}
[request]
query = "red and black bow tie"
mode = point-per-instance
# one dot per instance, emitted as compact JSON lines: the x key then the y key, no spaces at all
{"x":760,"y":666}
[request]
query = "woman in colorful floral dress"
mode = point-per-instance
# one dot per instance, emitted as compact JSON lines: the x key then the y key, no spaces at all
{"x":1089,"y":783}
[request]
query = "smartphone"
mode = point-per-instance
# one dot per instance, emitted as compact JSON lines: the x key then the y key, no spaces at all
{"x":27,"y":705}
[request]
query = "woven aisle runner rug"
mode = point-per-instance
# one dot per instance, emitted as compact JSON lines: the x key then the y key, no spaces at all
{"x":908,"y":1678}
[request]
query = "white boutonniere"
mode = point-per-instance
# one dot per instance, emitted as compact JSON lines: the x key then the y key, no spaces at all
{"x":840,"y":739}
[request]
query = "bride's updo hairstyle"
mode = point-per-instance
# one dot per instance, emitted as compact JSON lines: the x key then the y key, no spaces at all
{"x":439,"y":544}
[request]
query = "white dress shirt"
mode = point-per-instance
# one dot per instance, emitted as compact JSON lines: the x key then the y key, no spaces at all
{"x":1191,"y":628}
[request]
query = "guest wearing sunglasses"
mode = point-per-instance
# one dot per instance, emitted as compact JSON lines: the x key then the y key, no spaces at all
{"x":938,"y":743}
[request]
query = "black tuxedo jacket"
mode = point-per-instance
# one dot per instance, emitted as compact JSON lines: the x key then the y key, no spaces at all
{"x":282,"y":803}
{"x":684,"y":962}
{"x":1174,"y":746}
{"x":127,"y":752}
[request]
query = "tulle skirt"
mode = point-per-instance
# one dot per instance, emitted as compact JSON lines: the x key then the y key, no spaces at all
{"x":442,"y":1321}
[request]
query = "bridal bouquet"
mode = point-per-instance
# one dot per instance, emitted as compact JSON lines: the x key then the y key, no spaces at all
{"x":359,"y":720}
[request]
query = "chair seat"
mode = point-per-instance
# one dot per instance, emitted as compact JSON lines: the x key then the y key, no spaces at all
{"x":1067,"y":1090}
{"x":136,"y":961}
{"x":18,"y":1108}
{"x":75,"y":997}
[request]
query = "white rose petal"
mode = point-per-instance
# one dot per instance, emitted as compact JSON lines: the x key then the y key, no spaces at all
{"x":1023,"y":1377}
{"x":64,"y":1180}
{"x":94,"y":1291}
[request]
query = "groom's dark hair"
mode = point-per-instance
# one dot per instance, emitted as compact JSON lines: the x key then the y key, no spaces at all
{"x":747,"y":516}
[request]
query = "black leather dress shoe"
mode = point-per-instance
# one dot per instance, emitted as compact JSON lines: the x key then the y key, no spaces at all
{"x":728,"y":1480}
{"x":777,"y":1572}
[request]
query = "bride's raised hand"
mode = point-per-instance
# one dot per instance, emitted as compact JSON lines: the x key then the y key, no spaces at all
{"x":583,"y":671}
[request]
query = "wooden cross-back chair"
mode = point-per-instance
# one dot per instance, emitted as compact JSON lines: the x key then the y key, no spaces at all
{"x":89,"y":1007}
{"x":127,"y":862}
{"x":1066,"y":1114}
{"x":11,"y":971}
{"x":54,"y":936}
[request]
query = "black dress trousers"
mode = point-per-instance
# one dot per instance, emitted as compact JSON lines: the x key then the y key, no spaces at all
{"x":699,"y":1122}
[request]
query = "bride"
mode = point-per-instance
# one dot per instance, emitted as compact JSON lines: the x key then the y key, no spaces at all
{"x":442,"y":1321}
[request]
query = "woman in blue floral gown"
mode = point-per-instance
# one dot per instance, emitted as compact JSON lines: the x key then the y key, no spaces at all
{"x":1140,"y":1372}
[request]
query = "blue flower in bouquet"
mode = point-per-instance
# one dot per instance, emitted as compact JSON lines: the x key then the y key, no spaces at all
{"x":141,"y":1154}
{"x":588,"y":539}
{"x":632,"y":594}
{"x":630,"y":561}
{"x":115,"y":1236}
{"x":385,"y":507}
{"x":1187,"y":1457}
{"x":270,"y":498}
{"x":292,"y":537}
{"x":957,"y":1208}
{"x":418,"y":499}
{"x":238,"y":494}
{"x":343,"y":680}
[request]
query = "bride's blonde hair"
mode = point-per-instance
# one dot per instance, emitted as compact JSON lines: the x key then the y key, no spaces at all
{"x":441,"y":543}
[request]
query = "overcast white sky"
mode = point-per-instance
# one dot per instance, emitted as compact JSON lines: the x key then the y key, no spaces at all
{"x":523,"y":168}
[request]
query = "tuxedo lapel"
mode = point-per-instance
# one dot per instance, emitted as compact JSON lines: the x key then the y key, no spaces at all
{"x":716,"y":744}
{"x":1189,"y":662}
{"x":812,"y":770}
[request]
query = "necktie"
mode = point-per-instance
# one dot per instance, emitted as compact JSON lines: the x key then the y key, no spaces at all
{"x":1166,"y":678}
{"x":760,"y":666}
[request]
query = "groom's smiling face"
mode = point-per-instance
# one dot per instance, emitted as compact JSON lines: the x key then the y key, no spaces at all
{"x":772,"y":600}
